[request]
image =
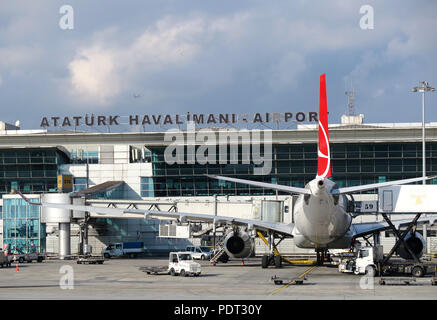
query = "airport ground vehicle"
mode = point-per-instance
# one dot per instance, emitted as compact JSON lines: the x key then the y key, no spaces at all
{"x":181,"y":263}
{"x":155,"y":269}
{"x":200,"y":252}
{"x":130,"y":249}
{"x":5,"y":260}
{"x":369,"y":260}
{"x":18,"y":254}
{"x":28,"y":257}
{"x":88,"y":259}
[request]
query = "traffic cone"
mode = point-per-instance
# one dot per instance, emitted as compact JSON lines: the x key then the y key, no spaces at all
{"x":16,"y":266}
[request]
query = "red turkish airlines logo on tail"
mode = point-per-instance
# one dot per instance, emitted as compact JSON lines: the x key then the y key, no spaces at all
{"x":324,"y":156}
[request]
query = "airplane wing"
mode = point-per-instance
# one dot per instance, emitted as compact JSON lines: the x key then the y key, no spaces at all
{"x":366,"y":228}
{"x":366,"y":187}
{"x":264,"y":185}
{"x":283,"y":228}
{"x":334,"y":191}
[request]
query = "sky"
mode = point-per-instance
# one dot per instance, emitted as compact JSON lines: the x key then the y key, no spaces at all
{"x":203,"y":56}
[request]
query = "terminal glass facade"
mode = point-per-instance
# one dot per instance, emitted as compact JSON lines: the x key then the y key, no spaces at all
{"x":30,"y":170}
{"x":79,"y":184}
{"x":293,"y":165}
{"x":84,"y":157}
{"x":147,"y":187}
{"x":22,"y":229}
{"x":114,"y":193}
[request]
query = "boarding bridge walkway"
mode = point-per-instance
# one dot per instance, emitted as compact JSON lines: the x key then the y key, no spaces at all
{"x":111,"y":208}
{"x":106,"y":207}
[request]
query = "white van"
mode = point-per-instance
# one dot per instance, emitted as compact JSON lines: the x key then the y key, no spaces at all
{"x":200,"y":252}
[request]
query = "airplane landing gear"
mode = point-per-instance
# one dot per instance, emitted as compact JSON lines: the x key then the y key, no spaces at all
{"x":271,"y":260}
{"x":278,"y":261}
{"x":274,"y":258}
{"x":322,"y":256}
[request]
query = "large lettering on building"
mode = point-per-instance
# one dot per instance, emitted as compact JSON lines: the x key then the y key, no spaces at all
{"x":177,"y":119}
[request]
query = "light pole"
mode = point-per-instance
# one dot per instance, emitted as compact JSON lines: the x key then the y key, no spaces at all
{"x":422,"y":87}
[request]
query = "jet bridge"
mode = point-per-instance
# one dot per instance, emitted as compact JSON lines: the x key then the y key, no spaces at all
{"x":405,"y":199}
{"x":408,"y":199}
{"x":63,"y":217}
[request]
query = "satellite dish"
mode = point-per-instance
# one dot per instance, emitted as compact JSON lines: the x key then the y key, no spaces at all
{"x":17,"y":123}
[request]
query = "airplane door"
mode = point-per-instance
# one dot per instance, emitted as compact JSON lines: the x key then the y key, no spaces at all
{"x":387,"y":200}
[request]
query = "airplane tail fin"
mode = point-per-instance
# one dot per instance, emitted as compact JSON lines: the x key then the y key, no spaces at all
{"x":324,"y":159}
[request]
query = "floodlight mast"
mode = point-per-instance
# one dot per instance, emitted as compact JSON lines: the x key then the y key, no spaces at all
{"x":422,"y":87}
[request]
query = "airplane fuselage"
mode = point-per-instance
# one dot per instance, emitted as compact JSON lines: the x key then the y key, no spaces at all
{"x":321,"y":219}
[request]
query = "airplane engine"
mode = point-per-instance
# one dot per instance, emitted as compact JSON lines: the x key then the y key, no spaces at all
{"x":239,"y":244}
{"x":416,"y":242}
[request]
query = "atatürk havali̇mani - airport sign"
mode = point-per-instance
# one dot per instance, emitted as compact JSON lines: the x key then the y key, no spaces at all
{"x":177,"y":119}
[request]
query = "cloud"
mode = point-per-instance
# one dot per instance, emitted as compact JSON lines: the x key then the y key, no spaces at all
{"x":100,"y":72}
{"x":17,"y":56}
{"x":378,"y":93}
{"x":415,"y":34}
{"x":369,"y":61}
{"x":185,"y":56}
{"x":284,"y":73}
{"x":213,"y":48}
{"x":94,"y":75}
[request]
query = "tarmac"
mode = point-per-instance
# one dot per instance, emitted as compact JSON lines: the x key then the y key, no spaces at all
{"x":122,"y":279}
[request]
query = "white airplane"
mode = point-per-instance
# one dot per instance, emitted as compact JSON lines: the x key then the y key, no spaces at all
{"x":322,"y":212}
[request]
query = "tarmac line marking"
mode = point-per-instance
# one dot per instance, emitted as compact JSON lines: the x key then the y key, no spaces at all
{"x":293,"y":281}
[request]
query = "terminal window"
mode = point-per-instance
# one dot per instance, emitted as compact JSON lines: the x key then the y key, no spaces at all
{"x":293,"y":165}
{"x":21,"y":226}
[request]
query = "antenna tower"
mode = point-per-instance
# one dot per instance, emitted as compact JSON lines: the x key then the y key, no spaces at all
{"x":351,"y":102}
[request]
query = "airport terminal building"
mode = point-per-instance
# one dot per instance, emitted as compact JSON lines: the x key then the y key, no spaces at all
{"x":131,"y":169}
